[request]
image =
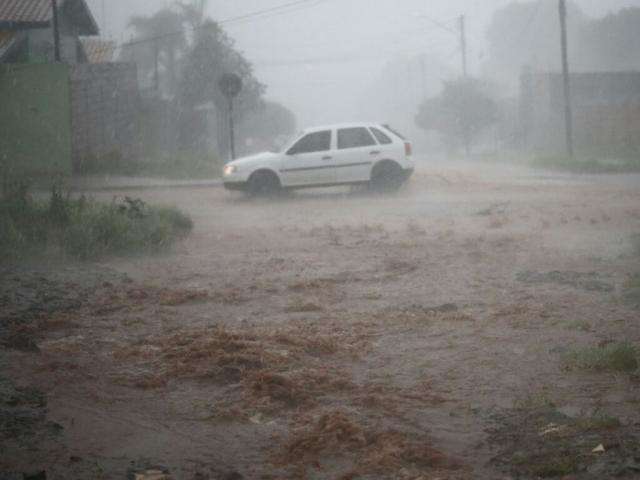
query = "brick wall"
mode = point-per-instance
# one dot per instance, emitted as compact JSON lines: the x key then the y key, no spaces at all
{"x":104,"y":105}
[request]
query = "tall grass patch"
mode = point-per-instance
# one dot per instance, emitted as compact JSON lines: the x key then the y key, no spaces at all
{"x":614,"y":357}
{"x":85,"y":229}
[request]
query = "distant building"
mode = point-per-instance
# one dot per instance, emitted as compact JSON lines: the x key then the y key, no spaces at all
{"x":26,"y":30}
{"x":606,"y":110}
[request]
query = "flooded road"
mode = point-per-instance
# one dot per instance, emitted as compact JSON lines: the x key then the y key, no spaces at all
{"x":335,"y":334}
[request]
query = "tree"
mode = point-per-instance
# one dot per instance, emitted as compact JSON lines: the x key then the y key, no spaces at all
{"x":211,"y":55}
{"x":610,"y":43}
{"x":161,"y":35}
{"x":527,"y":34}
{"x":460,"y":113}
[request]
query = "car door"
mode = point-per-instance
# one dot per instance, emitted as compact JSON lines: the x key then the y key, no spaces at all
{"x":356,"y":152}
{"x":309,"y":161}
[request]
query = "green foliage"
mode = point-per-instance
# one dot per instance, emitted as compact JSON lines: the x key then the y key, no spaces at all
{"x":631,"y":295}
{"x":556,"y":466}
{"x":598,"y":422}
{"x":616,"y":357}
{"x":85,"y":229}
{"x":610,"y":43}
{"x":635,"y":243}
{"x":460,"y":113}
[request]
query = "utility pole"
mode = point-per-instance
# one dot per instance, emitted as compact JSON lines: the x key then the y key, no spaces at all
{"x":463,"y":45}
{"x":568,"y":112}
{"x":56,"y":31}
{"x":156,"y":71}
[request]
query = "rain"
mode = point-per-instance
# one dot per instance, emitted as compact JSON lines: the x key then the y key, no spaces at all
{"x":319,"y":239}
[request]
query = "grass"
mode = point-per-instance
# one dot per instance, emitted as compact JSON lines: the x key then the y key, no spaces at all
{"x":614,"y":357}
{"x":635,"y":244}
{"x":182,"y":165}
{"x":597,"y":423}
{"x":557,"y":466}
{"x":84,"y":229}
{"x":631,"y":295}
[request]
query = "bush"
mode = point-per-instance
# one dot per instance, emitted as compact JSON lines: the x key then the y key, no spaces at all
{"x":617,"y":357}
{"x":86,"y":229}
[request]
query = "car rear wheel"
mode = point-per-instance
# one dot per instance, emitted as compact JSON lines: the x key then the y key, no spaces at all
{"x":264,"y":184}
{"x":386,"y":177}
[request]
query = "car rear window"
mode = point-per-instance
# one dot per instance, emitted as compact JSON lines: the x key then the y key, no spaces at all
{"x":400,"y":136}
{"x":383,"y":138}
{"x":354,"y":138}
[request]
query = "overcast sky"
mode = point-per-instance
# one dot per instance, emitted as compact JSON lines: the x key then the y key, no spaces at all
{"x":333,"y":49}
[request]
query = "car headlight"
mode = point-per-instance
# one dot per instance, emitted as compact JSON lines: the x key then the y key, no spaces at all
{"x":230,"y":170}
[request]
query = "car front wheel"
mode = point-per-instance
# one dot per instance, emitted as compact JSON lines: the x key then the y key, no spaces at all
{"x":264,"y":184}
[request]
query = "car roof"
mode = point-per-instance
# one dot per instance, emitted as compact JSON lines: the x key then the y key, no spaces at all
{"x":336,"y":126}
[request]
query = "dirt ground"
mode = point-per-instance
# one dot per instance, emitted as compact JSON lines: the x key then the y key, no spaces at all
{"x":336,"y":335}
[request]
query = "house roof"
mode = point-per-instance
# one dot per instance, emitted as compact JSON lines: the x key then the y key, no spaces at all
{"x":27,"y":14}
{"x":98,"y":50}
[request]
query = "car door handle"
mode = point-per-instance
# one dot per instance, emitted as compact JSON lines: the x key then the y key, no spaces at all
{"x":327,"y":157}
{"x":375,"y":152}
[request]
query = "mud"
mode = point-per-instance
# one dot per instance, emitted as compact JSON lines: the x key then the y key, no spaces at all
{"x":334,"y":335}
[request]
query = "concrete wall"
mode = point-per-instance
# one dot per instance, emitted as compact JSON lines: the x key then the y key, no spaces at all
{"x":35,"y":120}
{"x":105,"y":108}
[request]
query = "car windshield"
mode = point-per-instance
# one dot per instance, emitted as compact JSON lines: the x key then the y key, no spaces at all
{"x":284,"y":142}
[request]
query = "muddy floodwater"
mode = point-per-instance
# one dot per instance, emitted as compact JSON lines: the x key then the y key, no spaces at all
{"x":444,"y":332}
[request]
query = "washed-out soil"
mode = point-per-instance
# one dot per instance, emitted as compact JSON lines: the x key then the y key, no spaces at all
{"x":334,"y":335}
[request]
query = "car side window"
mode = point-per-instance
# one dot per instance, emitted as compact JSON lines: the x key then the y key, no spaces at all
{"x":313,"y":142}
{"x":354,"y":138}
{"x":383,"y":138}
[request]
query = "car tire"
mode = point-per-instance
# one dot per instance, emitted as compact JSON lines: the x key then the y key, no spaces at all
{"x":264,"y":184}
{"x":386,"y":177}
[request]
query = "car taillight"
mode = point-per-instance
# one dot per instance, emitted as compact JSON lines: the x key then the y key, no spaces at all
{"x":408,"y":149}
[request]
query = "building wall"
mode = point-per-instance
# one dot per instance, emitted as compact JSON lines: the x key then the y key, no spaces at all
{"x":105,"y":107}
{"x":606,"y":111}
{"x":35,"y":120}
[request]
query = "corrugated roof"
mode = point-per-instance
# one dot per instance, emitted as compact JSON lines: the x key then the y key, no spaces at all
{"x":98,"y":50}
{"x":25,"y":11}
{"x":20,"y":14}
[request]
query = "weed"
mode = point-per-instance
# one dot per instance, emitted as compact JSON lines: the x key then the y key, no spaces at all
{"x":616,"y":357}
{"x":85,"y":229}
{"x":300,"y":306}
{"x":580,"y":325}
{"x":597,"y":423}
{"x":635,"y":244}
{"x":556,"y":466}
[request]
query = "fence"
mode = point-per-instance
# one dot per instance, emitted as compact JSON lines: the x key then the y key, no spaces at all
{"x":35,"y":120}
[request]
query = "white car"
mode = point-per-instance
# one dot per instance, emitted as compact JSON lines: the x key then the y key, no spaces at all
{"x":348,"y":154}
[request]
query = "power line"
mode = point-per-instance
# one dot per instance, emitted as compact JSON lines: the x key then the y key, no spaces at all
{"x":266,"y":13}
